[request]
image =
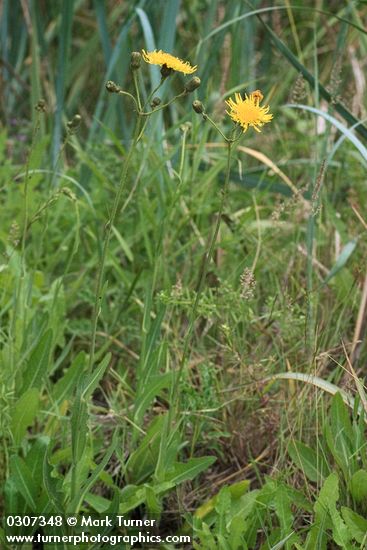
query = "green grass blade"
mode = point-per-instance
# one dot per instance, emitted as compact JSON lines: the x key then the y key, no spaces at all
{"x":324,"y":385}
{"x":343,"y":129}
{"x":62,"y":67}
{"x":149,"y":44}
{"x":168,"y":27}
{"x":341,"y":260}
{"x":121,"y":45}
{"x":100,"y":8}
{"x":36,"y":87}
{"x":286,"y":52}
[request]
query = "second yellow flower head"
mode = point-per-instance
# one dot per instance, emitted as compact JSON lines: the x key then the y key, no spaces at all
{"x":247,"y":112}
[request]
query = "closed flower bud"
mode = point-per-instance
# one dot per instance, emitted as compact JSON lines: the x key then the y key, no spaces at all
{"x":112,"y":87}
{"x":185,"y":127}
{"x":198,"y":106}
{"x":192,"y":84}
{"x":74,"y":123}
{"x":41,"y":106}
{"x":135,"y":61}
{"x":155,"y":102}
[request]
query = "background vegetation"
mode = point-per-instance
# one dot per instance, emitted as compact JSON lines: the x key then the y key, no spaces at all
{"x":252,"y":451}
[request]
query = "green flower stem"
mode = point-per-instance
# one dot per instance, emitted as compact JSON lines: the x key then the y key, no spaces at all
{"x":142,"y":113}
{"x":207,"y":117}
{"x":153,"y":92}
{"x":148,"y":113}
{"x":136,"y":85}
{"x":108,"y":231}
{"x":207,"y":258}
{"x":122,"y":92}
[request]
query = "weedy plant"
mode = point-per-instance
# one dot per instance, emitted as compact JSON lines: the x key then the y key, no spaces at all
{"x":167,"y":350}
{"x":237,"y":518}
{"x":149,"y":476}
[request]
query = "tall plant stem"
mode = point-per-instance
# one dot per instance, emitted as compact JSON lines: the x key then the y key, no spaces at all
{"x":204,"y":269}
{"x":108,"y":231}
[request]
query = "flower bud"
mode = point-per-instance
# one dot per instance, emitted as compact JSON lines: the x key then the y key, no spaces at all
{"x":74,"y":123}
{"x":185,"y":127}
{"x":41,"y":106}
{"x":155,"y":102}
{"x":192,"y":84}
{"x":198,"y":106}
{"x":135,"y":61}
{"x":112,"y":87}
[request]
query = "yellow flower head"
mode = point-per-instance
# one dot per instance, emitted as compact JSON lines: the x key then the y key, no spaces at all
{"x":247,"y":112}
{"x":170,"y":61}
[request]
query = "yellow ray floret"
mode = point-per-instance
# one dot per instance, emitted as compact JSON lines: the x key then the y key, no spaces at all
{"x":247,"y":112}
{"x":172,"y":62}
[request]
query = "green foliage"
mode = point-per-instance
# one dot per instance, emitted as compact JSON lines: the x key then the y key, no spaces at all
{"x":237,"y":519}
{"x":220,"y":321}
{"x":344,"y":451}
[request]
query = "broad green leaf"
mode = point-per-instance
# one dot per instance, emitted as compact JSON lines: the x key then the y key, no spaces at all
{"x":51,"y":485}
{"x":312,"y":464}
{"x":236,"y":491}
{"x":341,"y":534}
{"x":156,"y":384}
{"x":24,"y":413}
{"x":190,"y":469}
{"x":223,"y":502}
{"x":67,"y":384}
{"x":356,"y":523}
{"x":342,"y":432}
{"x":237,"y":529}
{"x":11,"y":496}
{"x":35,"y":459}
{"x":143,"y":460}
{"x":283,"y":510}
{"x":79,"y":428}
{"x":78,"y":500}
{"x":328,"y":496}
{"x":97,"y":502}
{"x":92,"y":380}
{"x":23,"y":481}
{"x":358,"y":486}
{"x":153,"y":502}
{"x":38,"y":363}
{"x":339,"y":459}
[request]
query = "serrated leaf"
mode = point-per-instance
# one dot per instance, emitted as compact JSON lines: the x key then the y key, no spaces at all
{"x":356,"y":523}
